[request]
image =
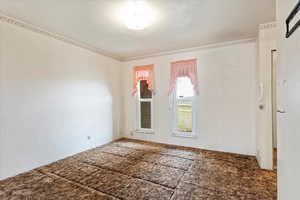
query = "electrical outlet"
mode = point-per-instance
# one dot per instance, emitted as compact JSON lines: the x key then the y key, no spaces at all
{"x":131,"y":133}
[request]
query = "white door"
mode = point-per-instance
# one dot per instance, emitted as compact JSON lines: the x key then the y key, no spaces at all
{"x":275,"y":109}
{"x":281,"y":110}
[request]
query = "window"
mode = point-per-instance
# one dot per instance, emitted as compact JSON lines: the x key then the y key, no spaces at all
{"x":144,"y":108}
{"x":184,"y":109}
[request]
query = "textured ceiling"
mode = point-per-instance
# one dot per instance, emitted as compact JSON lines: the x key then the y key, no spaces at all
{"x":179,"y":23}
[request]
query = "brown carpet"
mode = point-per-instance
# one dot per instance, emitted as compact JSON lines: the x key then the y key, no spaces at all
{"x":129,"y":169}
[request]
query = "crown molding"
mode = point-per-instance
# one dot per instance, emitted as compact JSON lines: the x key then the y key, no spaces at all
{"x":36,"y":29}
{"x":268,"y":25}
{"x":11,"y":20}
{"x":209,"y":46}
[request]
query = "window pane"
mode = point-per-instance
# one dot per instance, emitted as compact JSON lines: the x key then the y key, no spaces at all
{"x":146,"y":115}
{"x":184,"y":87}
{"x":145,"y":93}
{"x":184,"y":116}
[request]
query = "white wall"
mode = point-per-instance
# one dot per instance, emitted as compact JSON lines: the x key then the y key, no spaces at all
{"x":226,"y":105}
{"x":289,"y":134}
{"x":53,"y":96}
{"x":1,"y":99}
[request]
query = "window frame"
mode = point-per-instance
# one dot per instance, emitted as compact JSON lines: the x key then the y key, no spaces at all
{"x":177,"y":132}
{"x":139,"y":129}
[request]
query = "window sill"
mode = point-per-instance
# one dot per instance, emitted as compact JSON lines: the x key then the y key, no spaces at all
{"x":184,"y":134}
{"x":144,"y":131}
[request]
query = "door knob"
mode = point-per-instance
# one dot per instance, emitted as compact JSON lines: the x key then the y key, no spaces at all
{"x":281,"y":111}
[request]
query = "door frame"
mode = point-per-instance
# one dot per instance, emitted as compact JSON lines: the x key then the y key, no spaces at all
{"x":274,"y":81}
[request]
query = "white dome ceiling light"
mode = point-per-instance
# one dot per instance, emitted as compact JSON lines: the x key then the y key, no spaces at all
{"x":137,"y":15}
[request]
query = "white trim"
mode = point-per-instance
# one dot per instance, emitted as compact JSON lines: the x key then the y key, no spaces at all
{"x":184,"y":134}
{"x":14,"y":21}
{"x":63,"y":38}
{"x":145,"y":131}
{"x":208,"y":46}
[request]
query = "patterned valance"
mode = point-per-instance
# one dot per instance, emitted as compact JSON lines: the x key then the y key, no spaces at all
{"x":145,"y":72}
{"x":184,"y":68}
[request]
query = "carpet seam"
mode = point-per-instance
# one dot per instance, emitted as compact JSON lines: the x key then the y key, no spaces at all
{"x":146,"y":160}
{"x":164,"y":145}
{"x":213,"y":190}
{"x":180,"y":180}
{"x":132,"y":167}
{"x":116,"y":171}
{"x":173,"y":156}
{"x":49,"y":174}
{"x":159,"y":153}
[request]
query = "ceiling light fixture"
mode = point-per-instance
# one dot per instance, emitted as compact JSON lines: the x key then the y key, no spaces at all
{"x":137,"y":15}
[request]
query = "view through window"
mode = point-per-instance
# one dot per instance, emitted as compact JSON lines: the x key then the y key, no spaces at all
{"x":145,"y":105}
{"x":184,"y":105}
